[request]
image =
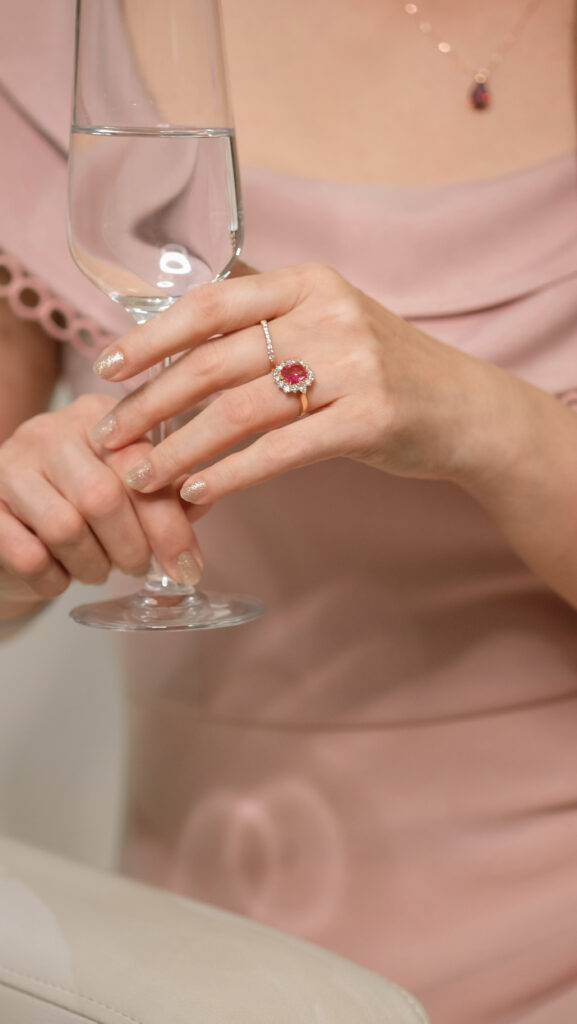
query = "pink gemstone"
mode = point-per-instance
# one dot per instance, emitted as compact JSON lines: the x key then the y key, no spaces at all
{"x":293,"y":373}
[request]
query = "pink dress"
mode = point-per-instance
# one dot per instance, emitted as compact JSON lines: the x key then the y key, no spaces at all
{"x":386,"y":763}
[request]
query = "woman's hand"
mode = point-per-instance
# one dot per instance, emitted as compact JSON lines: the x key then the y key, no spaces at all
{"x":65,"y":513}
{"x":385,"y":393}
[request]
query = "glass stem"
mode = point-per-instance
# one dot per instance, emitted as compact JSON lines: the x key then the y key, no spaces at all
{"x":156,"y":579}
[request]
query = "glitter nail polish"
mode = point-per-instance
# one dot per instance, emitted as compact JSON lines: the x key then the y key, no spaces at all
{"x":108,"y":365}
{"x":139,"y":475}
{"x":193,"y":490}
{"x":189,"y":570}
{"x":104,"y":429}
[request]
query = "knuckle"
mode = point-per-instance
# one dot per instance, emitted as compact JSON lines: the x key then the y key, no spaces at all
{"x":239,"y":408}
{"x":135,"y":408}
{"x":135,"y":560}
{"x":54,"y":586}
{"x":64,"y":527}
{"x":96,"y":571}
{"x":341,"y":309}
{"x":34,"y":428}
{"x":280,"y":451}
{"x":169,"y":458}
{"x":31,"y":562}
{"x":332,"y":287}
{"x":139,"y":566}
{"x":347,"y":309}
{"x":102,"y":498}
{"x":168,"y":532}
{"x":207,"y":302}
{"x":209,"y":359}
{"x":96,"y":405}
{"x":322,"y":274}
{"x":365,"y":362}
{"x":316,"y":279}
{"x":50,"y":585}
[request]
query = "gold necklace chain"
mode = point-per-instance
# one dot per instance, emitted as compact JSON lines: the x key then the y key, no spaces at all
{"x":479,"y":95}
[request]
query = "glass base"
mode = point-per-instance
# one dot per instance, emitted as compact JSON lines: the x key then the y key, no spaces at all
{"x":169,"y":611}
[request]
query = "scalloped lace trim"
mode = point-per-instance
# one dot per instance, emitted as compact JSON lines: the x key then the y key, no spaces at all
{"x":30,"y":298}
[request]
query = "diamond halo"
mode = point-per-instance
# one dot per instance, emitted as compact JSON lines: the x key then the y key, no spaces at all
{"x":293,"y":376}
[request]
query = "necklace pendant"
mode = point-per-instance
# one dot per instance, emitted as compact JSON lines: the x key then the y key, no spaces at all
{"x":479,"y":96}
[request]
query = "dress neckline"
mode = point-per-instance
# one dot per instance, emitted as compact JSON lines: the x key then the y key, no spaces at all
{"x":423,"y":251}
{"x":542,"y":167}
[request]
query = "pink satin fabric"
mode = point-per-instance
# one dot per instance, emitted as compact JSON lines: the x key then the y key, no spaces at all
{"x":386,"y":763}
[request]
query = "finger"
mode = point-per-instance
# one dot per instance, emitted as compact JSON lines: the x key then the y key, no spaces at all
{"x":232,"y":417}
{"x":102,"y":501}
{"x":290,"y":447}
{"x":170,"y":535}
{"x":166,"y":524}
{"x":26,"y":557}
{"x":212,"y":309}
{"x":195,"y":512}
{"x":60,"y":528}
{"x":217,"y":365}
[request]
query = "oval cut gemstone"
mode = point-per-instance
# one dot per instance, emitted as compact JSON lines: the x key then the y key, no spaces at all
{"x":293,"y":373}
{"x":480,"y":96}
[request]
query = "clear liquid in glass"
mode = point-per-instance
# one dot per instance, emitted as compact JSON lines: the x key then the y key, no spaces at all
{"x":153,"y":213}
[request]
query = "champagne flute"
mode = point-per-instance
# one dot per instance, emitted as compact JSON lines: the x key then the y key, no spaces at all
{"x":154,"y":208}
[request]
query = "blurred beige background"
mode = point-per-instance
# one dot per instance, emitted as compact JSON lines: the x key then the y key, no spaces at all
{"x":61,"y":730}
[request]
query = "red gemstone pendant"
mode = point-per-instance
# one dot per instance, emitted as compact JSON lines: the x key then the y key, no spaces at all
{"x":480,"y":97}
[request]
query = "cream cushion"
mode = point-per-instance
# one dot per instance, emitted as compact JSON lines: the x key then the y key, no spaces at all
{"x":79,"y":945}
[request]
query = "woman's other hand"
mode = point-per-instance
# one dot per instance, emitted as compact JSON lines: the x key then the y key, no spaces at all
{"x":65,"y":512}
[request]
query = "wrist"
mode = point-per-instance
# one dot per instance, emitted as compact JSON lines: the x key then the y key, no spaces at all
{"x":499,"y":435}
{"x":522,"y":451}
{"x":470,"y":417}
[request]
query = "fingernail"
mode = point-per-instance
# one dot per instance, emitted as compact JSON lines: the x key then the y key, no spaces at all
{"x":109,"y":364}
{"x":193,"y":491}
{"x":103,"y":430}
{"x":189,"y":569}
{"x":139,"y":475}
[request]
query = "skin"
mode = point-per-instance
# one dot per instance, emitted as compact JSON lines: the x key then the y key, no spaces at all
{"x":387,"y":395}
{"x":65,"y":513}
{"x":384,"y":398}
{"x":387,"y":106}
{"x":506,"y":443}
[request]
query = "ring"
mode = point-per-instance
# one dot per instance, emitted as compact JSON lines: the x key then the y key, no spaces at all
{"x":293,"y":376}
